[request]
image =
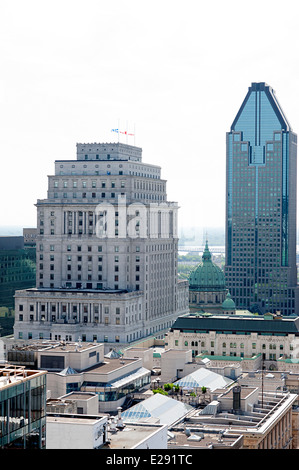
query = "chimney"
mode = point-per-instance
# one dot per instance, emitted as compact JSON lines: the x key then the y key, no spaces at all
{"x":120,"y":424}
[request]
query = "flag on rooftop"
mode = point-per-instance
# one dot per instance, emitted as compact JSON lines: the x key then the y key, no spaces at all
{"x":125,"y":132}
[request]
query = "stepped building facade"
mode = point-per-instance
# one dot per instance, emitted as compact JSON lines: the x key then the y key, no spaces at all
{"x":106,"y":252}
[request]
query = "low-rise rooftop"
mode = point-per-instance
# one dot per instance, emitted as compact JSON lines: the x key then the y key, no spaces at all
{"x":132,"y":435}
{"x":262,"y":412}
{"x":74,"y":418}
{"x":260,"y":324}
{"x":189,"y":438}
{"x":109,"y":365}
{"x":57,"y":346}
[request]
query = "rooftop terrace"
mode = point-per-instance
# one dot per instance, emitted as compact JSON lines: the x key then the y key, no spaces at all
{"x":10,"y":375}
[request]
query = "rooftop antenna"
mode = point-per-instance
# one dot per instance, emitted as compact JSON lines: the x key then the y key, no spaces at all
{"x":120,"y":424}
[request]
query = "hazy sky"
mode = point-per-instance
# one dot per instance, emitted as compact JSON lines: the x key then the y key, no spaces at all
{"x":177,"y":71}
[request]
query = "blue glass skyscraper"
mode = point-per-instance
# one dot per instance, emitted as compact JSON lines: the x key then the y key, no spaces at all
{"x":261,"y":180}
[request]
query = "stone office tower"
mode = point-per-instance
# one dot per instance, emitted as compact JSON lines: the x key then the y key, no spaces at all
{"x":106,"y":252}
{"x":261,"y":177}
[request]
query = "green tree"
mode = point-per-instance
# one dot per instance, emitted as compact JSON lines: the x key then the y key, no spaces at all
{"x":160,"y":390}
{"x":168,"y":387}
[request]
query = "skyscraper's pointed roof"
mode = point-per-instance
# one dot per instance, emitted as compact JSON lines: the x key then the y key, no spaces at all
{"x":257,"y":89}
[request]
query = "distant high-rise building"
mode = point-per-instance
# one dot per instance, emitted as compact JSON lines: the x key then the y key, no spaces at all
{"x":261,"y":178}
{"x":17,"y":268}
{"x":106,"y":251}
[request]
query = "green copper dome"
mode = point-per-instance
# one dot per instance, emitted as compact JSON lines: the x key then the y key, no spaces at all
{"x":228,"y":304}
{"x":207,"y":276}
